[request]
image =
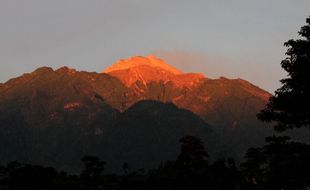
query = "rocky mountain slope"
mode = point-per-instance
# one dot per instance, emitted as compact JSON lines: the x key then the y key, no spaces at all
{"x":134,"y":112}
{"x":55,"y":117}
{"x":229,"y":104}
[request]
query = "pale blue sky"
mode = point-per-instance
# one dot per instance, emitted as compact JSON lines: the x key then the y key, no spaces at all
{"x":240,"y":38}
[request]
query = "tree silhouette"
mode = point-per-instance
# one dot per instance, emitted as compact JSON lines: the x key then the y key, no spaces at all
{"x":193,"y":154}
{"x":281,"y":164}
{"x":91,"y":175}
{"x":290,"y":107}
{"x":223,"y":174}
{"x":93,"y":166}
{"x":30,"y":177}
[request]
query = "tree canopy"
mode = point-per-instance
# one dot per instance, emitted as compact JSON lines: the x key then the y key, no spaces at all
{"x":290,"y":107}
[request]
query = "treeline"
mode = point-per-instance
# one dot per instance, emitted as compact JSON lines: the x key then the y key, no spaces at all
{"x":280,"y":164}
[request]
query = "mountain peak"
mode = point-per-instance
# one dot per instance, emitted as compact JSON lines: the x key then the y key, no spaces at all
{"x":66,"y":70}
{"x":150,"y":69}
{"x":136,"y":61}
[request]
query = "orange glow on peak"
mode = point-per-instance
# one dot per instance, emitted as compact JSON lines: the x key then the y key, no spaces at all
{"x":151,"y":60}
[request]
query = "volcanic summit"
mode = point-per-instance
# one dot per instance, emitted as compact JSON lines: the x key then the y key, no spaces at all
{"x":147,"y":69}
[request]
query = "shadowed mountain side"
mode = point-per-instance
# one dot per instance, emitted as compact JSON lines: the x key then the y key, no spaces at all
{"x":228,"y":105}
{"x":55,"y":117}
{"x":149,"y":132}
{"x":51,"y":118}
{"x":108,"y":87}
{"x":46,"y":97}
{"x":231,"y":106}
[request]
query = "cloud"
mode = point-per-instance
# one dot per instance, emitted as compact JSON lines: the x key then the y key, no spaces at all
{"x":190,"y":61}
{"x":249,"y":68}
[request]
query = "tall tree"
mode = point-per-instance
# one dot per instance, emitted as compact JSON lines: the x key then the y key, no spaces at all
{"x":93,"y":166}
{"x":290,"y":106}
{"x":193,"y":154}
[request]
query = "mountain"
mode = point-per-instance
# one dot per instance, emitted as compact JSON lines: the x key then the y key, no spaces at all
{"x":152,"y":78}
{"x":149,"y":132}
{"x":149,"y":69}
{"x":51,"y":117}
{"x":54,"y":118}
{"x":229,"y":104}
{"x":134,"y":111}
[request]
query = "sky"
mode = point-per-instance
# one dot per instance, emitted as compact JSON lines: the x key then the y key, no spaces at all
{"x":235,"y":39}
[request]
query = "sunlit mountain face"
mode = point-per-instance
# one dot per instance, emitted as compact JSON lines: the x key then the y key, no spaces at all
{"x":152,"y":78}
{"x":128,"y":113}
{"x":230,"y":105}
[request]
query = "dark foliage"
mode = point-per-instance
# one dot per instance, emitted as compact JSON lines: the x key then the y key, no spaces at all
{"x":281,"y":164}
{"x":193,"y":155}
{"x":190,"y":171}
{"x":290,"y":107}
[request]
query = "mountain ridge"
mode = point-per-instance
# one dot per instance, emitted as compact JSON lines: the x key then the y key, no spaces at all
{"x":133,"y":69}
{"x":55,"y":117}
{"x":77,"y":112}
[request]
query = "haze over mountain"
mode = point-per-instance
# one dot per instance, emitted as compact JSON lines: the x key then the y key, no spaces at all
{"x":135,"y":112}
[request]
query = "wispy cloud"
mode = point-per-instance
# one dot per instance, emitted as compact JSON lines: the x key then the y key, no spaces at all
{"x":191,"y":61}
{"x":215,"y":66}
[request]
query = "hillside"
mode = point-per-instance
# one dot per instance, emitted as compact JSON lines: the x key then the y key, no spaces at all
{"x":135,"y":112}
{"x":55,"y":117}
